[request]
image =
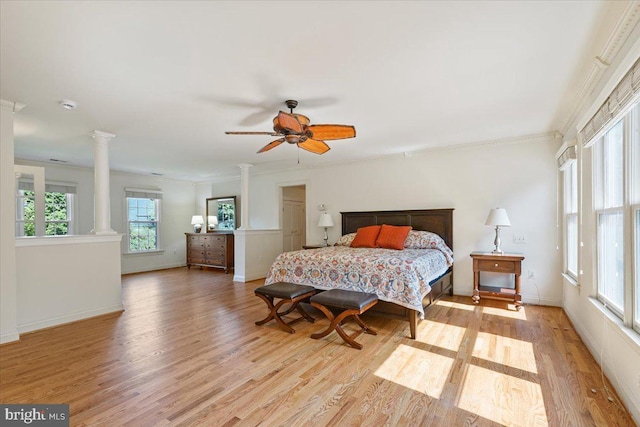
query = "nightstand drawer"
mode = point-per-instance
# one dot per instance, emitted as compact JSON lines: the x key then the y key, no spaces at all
{"x":497,"y":266}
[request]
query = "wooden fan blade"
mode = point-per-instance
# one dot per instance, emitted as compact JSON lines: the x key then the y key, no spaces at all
{"x":271,"y":145}
{"x":329,"y":132}
{"x":252,"y":133}
{"x":315,"y":146}
{"x":289,"y":122}
{"x":304,"y":120}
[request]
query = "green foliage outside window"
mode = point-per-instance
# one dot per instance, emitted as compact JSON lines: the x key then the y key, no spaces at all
{"x":56,"y":214}
{"x":143,"y":225}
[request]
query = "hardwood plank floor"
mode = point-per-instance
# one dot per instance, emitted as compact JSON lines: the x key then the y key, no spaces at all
{"x":186,"y":352}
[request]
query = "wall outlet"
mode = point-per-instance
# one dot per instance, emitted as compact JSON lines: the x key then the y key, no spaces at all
{"x":519,"y":238}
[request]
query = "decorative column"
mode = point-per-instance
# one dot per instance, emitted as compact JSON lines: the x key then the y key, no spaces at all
{"x":8,"y":269}
{"x":244,"y":196}
{"x":102,"y":200}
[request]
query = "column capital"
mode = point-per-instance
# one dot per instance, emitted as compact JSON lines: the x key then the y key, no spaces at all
{"x":13,"y":106}
{"x":244,"y":165}
{"x":98,"y":134}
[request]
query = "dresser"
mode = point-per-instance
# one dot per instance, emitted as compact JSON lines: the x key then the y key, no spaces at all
{"x":210,"y":250}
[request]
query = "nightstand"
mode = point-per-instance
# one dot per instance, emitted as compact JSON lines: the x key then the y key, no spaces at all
{"x":508,"y":263}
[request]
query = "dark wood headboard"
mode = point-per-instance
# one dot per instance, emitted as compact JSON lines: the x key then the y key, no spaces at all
{"x":439,"y":221}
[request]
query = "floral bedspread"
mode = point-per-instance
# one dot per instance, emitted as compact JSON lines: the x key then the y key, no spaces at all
{"x":401,"y":277}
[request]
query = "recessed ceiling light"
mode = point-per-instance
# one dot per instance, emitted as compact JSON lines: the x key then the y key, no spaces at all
{"x":68,"y":104}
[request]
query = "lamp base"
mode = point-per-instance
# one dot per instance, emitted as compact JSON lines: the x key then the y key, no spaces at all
{"x":497,"y":251}
{"x":197,"y":228}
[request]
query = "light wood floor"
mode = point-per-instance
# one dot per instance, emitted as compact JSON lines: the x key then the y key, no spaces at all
{"x":186,"y":352}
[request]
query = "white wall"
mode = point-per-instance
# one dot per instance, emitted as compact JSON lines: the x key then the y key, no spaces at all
{"x":613,"y":345}
{"x":518,"y":175}
{"x":63,"y":279}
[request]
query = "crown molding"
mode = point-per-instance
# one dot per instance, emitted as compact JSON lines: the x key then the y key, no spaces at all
{"x":601,"y":62}
{"x":546,"y":137}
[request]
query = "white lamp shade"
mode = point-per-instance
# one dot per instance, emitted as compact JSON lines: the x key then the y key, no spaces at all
{"x":197,"y":219}
{"x":498,"y":217}
{"x":325,"y":220}
{"x":212,"y":220}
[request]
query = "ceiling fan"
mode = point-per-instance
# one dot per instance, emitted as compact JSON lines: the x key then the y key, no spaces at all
{"x":296,"y":129}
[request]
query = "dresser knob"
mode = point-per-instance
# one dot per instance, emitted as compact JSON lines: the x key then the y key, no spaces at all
{"x":495,"y":265}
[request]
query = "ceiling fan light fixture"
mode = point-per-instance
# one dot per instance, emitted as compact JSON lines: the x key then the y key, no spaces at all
{"x":292,"y":139}
{"x":297,"y":129}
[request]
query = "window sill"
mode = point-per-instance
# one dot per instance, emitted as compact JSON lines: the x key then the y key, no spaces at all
{"x":571,"y":280}
{"x":156,"y":252}
{"x":627,"y":333}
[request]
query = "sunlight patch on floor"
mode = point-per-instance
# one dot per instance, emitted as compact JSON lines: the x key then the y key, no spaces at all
{"x":511,"y":314}
{"x":416,"y":369}
{"x":492,"y":395}
{"x":506,"y":351}
{"x":441,"y":334}
{"x":453,"y":304}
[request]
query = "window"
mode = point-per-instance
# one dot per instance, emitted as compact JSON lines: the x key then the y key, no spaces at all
{"x":59,"y":209}
{"x":616,"y":198}
{"x":609,"y":216}
{"x":143,"y":217}
{"x":570,"y":185}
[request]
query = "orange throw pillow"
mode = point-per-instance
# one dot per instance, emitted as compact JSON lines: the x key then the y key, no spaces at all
{"x":392,"y":236}
{"x":366,"y":237}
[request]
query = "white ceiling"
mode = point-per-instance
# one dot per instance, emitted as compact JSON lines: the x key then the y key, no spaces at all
{"x":169,"y":78}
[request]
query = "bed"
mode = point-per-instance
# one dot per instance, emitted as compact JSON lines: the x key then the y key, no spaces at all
{"x":406,"y":281}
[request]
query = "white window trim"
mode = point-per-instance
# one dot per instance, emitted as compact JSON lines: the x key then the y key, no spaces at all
{"x":631,"y":128}
{"x":635,"y":268}
{"x":158,"y":200}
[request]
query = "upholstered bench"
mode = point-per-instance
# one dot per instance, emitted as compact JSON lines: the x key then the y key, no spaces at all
{"x":350,"y":303}
{"x":288,"y":293}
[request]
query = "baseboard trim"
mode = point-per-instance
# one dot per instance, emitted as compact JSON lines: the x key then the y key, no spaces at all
{"x":70,"y":318}
{"x":9,"y":337}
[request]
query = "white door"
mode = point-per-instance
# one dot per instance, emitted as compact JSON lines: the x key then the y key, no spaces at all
{"x":293,"y":225}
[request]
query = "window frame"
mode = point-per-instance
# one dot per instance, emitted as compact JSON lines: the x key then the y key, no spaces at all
{"x":605,"y":202}
{"x":570,"y":208}
{"x":157,"y":200}
{"x":635,"y":264}
{"x":70,"y":205}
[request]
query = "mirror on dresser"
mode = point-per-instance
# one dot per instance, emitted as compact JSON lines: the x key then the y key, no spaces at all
{"x":221,"y":213}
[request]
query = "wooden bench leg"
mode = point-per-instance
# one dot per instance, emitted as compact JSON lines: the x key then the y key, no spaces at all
{"x":336,"y":324}
{"x":274,"y":314}
{"x":365,"y":328}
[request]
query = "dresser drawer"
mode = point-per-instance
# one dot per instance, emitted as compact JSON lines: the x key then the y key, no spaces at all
{"x":196,"y":242}
{"x":216,"y":246}
{"x":498,"y":266}
{"x":216,"y":259}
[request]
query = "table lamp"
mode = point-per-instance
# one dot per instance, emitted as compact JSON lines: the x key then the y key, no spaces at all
{"x":197,"y":222}
{"x":325,"y":221}
{"x":498,"y":217}
{"x":212,"y":221}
